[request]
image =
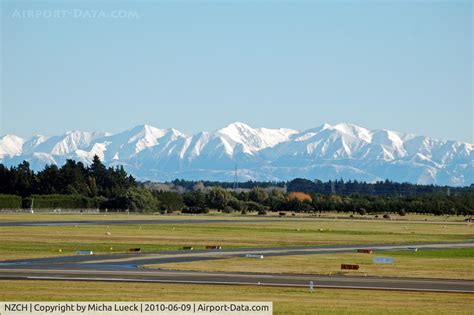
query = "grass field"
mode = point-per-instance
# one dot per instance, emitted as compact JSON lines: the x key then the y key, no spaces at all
{"x":69,"y":216}
{"x":285,"y":300}
{"x":41,"y":241}
{"x":445,"y":263}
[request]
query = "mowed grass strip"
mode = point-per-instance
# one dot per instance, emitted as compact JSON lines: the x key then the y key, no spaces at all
{"x":72,"y":216}
{"x":100,"y":216}
{"x":285,"y":300}
{"x":430,"y":263}
{"x":38,"y":241}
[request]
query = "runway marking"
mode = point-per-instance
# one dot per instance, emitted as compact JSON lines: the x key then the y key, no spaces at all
{"x":38,"y":272}
{"x":248,"y":283}
{"x":294,"y":251}
{"x":242,"y":275}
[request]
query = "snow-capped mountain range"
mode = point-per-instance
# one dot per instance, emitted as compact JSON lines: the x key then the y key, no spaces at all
{"x":326,"y":152}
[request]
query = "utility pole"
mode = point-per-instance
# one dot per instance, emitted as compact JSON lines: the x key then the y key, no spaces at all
{"x":31,"y":206}
{"x":235,"y":178}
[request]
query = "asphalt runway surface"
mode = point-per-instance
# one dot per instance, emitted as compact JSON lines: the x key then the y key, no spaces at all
{"x":283,"y":280}
{"x":126,"y":268}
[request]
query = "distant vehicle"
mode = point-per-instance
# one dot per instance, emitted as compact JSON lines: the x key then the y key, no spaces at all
{"x":188,"y":248}
{"x":364,"y":250}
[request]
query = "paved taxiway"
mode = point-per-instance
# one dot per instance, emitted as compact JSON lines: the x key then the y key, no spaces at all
{"x":162,"y":276}
{"x":125,"y":267}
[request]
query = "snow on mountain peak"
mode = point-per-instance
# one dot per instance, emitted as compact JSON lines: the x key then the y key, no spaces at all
{"x":236,"y":130}
{"x":147,"y":133}
{"x":11,"y":145}
{"x":137,"y":139}
{"x":252,"y":139}
{"x":354,"y":130}
{"x":325,"y":152}
{"x":74,"y":140}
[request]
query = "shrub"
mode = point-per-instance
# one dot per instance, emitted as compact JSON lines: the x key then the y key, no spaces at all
{"x":195,"y":210}
{"x":62,"y":201}
{"x":218,"y":198}
{"x":258,"y":195}
{"x":141,"y":199}
{"x":402,"y":213}
{"x":170,"y":201}
{"x":236,"y":204}
{"x":300,"y":196}
{"x":10,"y":202}
{"x":228,"y":209}
{"x":253,"y":206}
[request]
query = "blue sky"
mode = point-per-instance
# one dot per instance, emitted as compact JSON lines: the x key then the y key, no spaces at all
{"x":405,"y":66}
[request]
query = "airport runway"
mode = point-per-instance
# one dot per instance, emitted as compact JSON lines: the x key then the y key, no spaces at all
{"x":284,"y":280}
{"x":125,"y":267}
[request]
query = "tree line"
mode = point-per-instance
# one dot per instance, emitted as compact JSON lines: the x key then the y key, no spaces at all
{"x":75,"y":185}
{"x":379,"y":188}
{"x":338,"y":186}
{"x":72,"y":185}
{"x":262,"y":200}
{"x":72,"y":178}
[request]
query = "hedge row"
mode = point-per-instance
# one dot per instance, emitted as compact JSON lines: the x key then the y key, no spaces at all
{"x":60,"y":201}
{"x":10,"y":202}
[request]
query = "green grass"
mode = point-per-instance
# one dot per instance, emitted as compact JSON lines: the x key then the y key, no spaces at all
{"x":14,"y":250}
{"x":69,"y":216}
{"x":42,"y":241}
{"x":37,"y":241}
{"x":442,"y":263}
{"x":285,"y":300}
{"x":435,"y":253}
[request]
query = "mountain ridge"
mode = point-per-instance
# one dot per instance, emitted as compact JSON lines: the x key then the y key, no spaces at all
{"x":325,"y":152}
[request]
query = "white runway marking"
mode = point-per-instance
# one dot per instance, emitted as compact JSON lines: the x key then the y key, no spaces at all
{"x":246,"y":283}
